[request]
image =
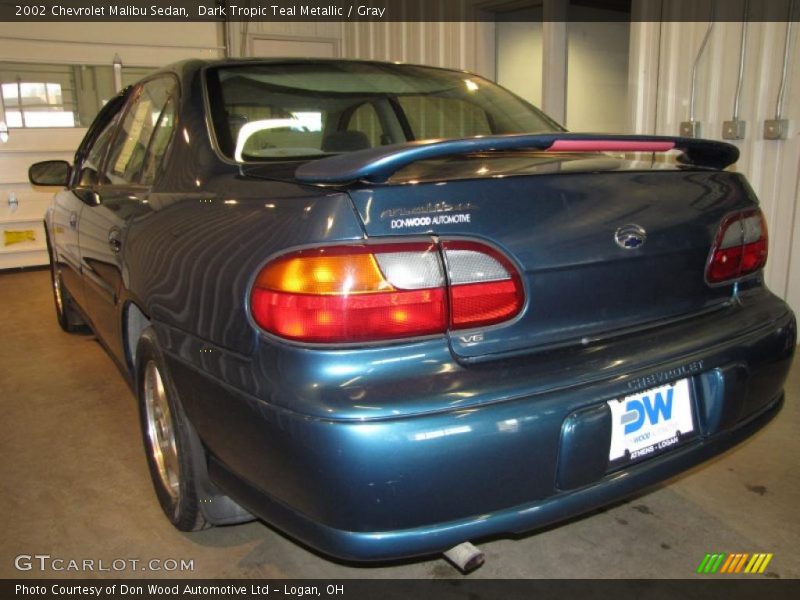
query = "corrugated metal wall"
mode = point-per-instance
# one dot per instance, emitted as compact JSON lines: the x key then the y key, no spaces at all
{"x":241,"y":35}
{"x":662,"y":55}
{"x":456,"y":45}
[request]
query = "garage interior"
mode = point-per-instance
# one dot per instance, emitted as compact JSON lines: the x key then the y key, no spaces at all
{"x":75,"y":484}
{"x":74,"y":477}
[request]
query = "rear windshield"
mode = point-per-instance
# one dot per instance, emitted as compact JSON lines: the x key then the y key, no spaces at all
{"x":265,"y":112}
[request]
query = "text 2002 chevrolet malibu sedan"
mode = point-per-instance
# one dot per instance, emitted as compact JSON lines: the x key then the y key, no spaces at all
{"x":391,"y":308}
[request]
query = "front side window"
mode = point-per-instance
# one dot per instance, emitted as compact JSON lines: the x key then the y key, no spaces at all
{"x":90,"y":167}
{"x":94,"y":147}
{"x":307,"y":110}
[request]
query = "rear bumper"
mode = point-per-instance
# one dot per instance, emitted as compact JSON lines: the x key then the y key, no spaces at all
{"x":459,"y":453}
{"x":439,"y":537}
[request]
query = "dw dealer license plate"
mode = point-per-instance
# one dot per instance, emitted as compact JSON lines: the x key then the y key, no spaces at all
{"x":649,"y":422}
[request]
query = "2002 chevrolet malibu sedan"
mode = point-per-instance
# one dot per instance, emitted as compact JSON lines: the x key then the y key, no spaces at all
{"x":391,"y":308}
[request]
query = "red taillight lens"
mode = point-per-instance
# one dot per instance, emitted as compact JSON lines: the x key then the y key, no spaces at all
{"x":350,"y":318}
{"x":362,"y":293}
{"x":740,"y":247}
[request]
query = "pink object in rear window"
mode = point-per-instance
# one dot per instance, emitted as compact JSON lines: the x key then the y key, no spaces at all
{"x":610,"y":146}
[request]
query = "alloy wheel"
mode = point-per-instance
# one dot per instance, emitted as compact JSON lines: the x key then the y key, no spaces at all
{"x":161,"y":430}
{"x":59,"y":299}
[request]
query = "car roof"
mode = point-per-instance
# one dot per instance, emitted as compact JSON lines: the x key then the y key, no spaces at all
{"x":190,"y":66}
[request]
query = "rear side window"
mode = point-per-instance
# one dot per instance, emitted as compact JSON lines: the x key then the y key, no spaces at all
{"x":146,"y":120}
{"x":159,"y":142}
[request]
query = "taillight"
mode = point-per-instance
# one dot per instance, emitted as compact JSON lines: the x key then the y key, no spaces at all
{"x":352,"y":293}
{"x":485,"y":288}
{"x":359,"y":293}
{"x":740,"y":247}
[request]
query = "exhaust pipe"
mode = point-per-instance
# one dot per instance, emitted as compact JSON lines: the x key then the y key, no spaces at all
{"x":465,"y":557}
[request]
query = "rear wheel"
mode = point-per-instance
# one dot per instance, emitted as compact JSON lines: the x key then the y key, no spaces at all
{"x":168,"y":438}
{"x":67,"y":314}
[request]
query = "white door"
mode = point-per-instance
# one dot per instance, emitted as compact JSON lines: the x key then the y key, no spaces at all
{"x":22,"y":206}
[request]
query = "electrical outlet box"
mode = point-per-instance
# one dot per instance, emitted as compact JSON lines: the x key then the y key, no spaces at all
{"x":733,"y":130}
{"x":690,"y":129}
{"x":776,"y":129}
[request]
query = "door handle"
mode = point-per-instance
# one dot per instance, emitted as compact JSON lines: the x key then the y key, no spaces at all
{"x":73,"y":220}
{"x":114,"y":240}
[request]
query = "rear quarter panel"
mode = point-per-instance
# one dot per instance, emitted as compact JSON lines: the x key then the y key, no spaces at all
{"x":192,"y":257}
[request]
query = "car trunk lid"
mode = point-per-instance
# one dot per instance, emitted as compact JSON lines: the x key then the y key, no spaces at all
{"x":603,"y":246}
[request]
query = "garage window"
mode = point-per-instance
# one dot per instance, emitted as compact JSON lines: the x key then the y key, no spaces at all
{"x":37,"y":95}
{"x":36,"y":104}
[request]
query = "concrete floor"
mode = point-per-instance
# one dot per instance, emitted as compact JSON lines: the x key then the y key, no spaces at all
{"x":74,"y":485}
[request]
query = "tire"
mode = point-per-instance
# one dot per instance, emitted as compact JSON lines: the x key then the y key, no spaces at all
{"x":67,"y":314}
{"x":169,"y":439}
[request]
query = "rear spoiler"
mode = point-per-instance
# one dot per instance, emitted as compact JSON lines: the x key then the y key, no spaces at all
{"x":376,"y":165}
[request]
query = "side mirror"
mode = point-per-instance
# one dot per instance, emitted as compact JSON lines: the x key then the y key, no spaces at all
{"x":49,"y":172}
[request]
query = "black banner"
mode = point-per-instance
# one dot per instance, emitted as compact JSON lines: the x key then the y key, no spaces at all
{"x":389,"y":10}
{"x":464,"y":588}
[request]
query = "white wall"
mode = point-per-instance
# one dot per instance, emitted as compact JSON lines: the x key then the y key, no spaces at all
{"x":458,"y":45}
{"x":143,"y":44}
{"x":597,"y":66}
{"x":137,"y":44}
{"x":519,"y":55}
{"x":661,"y":58}
{"x":597,"y":75}
{"x":284,"y":39}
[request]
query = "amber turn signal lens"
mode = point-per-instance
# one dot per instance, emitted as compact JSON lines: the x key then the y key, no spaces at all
{"x":341,"y":294}
{"x":324,"y":275}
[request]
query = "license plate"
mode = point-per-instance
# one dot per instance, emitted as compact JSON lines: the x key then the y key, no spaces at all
{"x":650,"y":422}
